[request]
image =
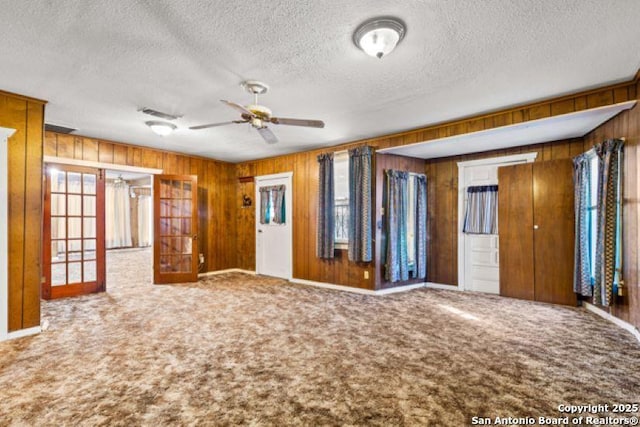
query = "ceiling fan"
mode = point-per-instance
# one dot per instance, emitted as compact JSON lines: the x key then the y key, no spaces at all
{"x":258,"y":115}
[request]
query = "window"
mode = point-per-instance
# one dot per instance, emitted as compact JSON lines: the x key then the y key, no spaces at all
{"x":341,"y":198}
{"x":593,"y":221}
{"x":411,"y":222}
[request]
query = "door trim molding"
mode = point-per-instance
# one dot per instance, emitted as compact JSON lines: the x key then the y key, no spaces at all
{"x":5,"y":133}
{"x":289,"y":213}
{"x":463,"y":167}
{"x":101,"y":165}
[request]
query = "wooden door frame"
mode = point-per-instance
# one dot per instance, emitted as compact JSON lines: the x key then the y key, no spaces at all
{"x":463,"y":169}
{"x":5,"y":133}
{"x":289,"y":214}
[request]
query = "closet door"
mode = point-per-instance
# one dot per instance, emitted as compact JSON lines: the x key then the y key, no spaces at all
{"x":515,"y":225}
{"x":554,"y":233}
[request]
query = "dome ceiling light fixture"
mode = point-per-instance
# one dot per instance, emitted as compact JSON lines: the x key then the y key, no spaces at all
{"x":161,"y":128}
{"x":378,"y":37}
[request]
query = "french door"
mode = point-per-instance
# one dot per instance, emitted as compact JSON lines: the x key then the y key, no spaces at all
{"x":73,"y":250}
{"x":175,"y":247}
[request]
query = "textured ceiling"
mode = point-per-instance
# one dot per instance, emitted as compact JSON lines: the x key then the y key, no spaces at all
{"x":98,"y":62}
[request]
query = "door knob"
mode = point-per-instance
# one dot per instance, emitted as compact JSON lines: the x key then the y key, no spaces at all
{"x":535,"y":227}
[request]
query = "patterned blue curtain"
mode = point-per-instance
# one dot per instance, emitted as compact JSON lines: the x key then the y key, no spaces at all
{"x":582,"y":263}
{"x":397,"y":266}
{"x":265,"y":203}
{"x":279,"y":205}
{"x":481,"y":216}
{"x":420,"y":270}
{"x":607,"y":274}
{"x":360,"y":223}
{"x":325,"y":238}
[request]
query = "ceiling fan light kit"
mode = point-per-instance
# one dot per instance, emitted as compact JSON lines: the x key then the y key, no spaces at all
{"x":161,"y":128}
{"x":378,"y":37}
{"x":258,"y":116}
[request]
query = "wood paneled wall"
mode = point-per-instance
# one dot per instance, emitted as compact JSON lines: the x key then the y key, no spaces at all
{"x":627,"y":125}
{"x":383,"y":163}
{"x":216,"y":186}
{"x":442,"y":202}
{"x":26,"y":116}
{"x":442,"y":176}
{"x":305,"y":193}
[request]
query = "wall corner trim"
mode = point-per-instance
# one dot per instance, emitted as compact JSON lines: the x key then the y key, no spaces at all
{"x":619,"y":322}
{"x":21,"y":333}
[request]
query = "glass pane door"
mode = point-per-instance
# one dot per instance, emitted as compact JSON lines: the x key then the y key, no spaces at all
{"x":74,"y":256}
{"x":176,"y":223}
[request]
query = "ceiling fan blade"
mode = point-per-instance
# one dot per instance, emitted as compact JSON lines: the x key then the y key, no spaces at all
{"x":213,"y":125}
{"x":297,"y":122}
{"x":238,"y":107}
{"x":267,"y":135}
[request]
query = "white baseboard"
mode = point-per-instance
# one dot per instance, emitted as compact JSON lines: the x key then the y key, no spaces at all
{"x":404,"y":288}
{"x":21,"y":333}
{"x":442,"y":286}
{"x":357,"y":290}
{"x":228,"y":270}
{"x":621,"y":323}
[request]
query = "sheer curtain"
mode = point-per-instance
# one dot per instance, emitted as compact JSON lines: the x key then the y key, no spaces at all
{"x":144,"y":220}
{"x":117,"y":215}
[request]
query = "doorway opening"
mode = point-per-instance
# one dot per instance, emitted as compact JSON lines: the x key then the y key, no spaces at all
{"x":478,"y":254}
{"x":128,"y":228}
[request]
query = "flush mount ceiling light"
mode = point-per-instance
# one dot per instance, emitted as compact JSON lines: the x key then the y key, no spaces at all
{"x":379,"y":36}
{"x":161,"y":128}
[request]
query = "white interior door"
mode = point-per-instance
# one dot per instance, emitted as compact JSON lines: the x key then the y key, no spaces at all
{"x":482,"y":271}
{"x":274,"y":241}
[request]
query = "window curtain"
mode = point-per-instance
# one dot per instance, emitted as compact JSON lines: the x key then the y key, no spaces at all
{"x":265,"y":202}
{"x":582,"y":262}
{"x":481,"y":216}
{"x":279,"y":205}
{"x":420,"y":269}
{"x":325,"y":239}
{"x":396,"y":209}
{"x":118,"y":215}
{"x":608,"y":234}
{"x":144,"y":221}
{"x":397,"y":267}
{"x":272,"y":204}
{"x":360,"y":244}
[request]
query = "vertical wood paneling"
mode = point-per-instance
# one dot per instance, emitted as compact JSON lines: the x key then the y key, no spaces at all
{"x":15,"y":115}
{"x":25,"y":148}
{"x":33,"y":215}
{"x":216,"y":188}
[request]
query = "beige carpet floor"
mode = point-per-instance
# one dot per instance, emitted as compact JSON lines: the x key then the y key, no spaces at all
{"x":239,"y":349}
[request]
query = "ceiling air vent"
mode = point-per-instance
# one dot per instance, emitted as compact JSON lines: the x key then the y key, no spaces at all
{"x":58,"y":129}
{"x":160,"y":114}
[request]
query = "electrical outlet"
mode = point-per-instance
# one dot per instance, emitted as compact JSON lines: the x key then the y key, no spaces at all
{"x":201,"y":258}
{"x":366,"y":274}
